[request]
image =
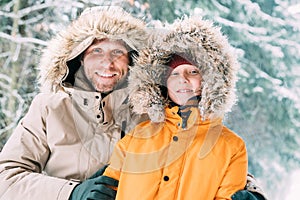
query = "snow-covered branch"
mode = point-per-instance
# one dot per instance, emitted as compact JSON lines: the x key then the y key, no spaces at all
{"x":23,"y":39}
{"x":258,"y":34}
{"x":254,"y":10}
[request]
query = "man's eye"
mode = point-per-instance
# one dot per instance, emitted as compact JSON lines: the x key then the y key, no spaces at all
{"x":97,"y":50}
{"x":118,"y":52}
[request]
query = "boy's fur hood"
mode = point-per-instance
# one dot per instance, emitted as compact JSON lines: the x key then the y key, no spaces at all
{"x":60,"y":60}
{"x":202,"y":44}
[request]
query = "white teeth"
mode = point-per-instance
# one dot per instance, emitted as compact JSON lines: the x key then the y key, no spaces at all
{"x":184,"y":90}
{"x":106,"y":75}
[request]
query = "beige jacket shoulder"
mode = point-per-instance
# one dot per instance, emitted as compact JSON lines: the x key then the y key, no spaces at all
{"x":63,"y":139}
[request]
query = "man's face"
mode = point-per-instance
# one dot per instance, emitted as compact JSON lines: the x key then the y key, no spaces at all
{"x":105,"y":62}
{"x":184,"y":83}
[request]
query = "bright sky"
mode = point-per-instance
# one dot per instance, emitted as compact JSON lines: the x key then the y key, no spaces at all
{"x":294,"y":9}
{"x":294,"y":191}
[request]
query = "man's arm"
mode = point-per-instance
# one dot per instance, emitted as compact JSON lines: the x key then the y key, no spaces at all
{"x":97,"y":187}
{"x":23,"y":158}
{"x":251,"y":192}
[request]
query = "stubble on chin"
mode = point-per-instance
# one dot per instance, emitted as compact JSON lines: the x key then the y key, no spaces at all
{"x":104,"y":88}
{"x":107,"y":87}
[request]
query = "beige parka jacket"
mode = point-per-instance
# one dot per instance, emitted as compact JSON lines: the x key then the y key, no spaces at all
{"x":69,"y":131}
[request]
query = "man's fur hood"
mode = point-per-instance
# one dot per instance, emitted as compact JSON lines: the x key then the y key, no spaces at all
{"x":60,"y":60}
{"x":201,"y":43}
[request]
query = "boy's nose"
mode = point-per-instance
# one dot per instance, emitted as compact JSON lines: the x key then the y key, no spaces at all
{"x":182,"y":78}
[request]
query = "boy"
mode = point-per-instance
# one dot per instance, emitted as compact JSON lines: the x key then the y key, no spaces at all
{"x":184,"y":151}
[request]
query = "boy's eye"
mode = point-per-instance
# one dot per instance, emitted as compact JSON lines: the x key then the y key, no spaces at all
{"x":194,"y":71}
{"x":174,"y":73}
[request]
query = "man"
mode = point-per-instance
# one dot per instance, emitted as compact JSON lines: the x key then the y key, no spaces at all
{"x":72,"y":126}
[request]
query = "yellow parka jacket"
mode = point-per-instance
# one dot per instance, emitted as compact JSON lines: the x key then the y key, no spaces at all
{"x":70,"y":130}
{"x":204,"y":160}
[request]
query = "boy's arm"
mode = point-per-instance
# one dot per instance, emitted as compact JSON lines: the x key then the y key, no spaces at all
{"x":235,"y":177}
{"x":115,"y":166}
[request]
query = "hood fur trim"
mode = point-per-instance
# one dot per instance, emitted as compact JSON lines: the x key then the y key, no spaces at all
{"x":200,"y":43}
{"x":94,"y":23}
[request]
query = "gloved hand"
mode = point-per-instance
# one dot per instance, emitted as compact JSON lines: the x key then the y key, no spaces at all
{"x":95,"y":188}
{"x":246,"y":195}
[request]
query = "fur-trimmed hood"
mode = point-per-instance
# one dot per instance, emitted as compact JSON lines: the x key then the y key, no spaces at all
{"x":201,"y":43}
{"x":60,"y":61}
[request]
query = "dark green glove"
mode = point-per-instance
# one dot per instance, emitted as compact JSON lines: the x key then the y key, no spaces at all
{"x":95,"y":188}
{"x":247,"y":195}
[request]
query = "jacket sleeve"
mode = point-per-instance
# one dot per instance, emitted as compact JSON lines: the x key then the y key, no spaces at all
{"x":253,"y":186}
{"x":24,"y":157}
{"x":236,"y":172}
{"x":118,"y":157}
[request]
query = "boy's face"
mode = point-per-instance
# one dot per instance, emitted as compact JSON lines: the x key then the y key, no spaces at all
{"x":184,"y":83}
{"x":105,"y":62}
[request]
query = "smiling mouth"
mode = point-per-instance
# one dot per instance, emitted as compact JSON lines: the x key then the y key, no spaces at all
{"x":106,"y":75}
{"x":184,"y":91}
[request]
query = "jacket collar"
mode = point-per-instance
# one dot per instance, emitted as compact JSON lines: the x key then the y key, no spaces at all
{"x":189,"y":118}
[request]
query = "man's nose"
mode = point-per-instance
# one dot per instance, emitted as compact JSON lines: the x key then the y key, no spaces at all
{"x":107,"y":61}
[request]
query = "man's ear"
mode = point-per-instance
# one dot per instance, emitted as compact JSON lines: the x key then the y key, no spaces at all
{"x":80,"y":58}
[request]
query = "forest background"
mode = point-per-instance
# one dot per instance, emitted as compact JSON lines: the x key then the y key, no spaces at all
{"x":265,"y":33}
